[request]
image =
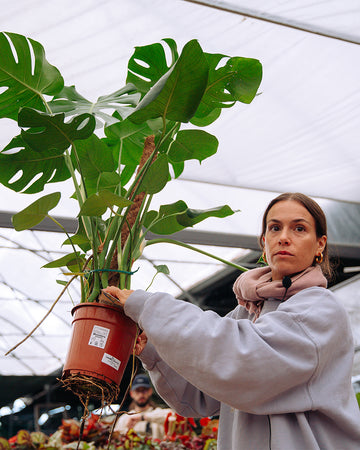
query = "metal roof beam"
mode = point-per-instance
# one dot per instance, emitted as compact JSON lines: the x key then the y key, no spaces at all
{"x":232,"y":240}
{"x":277,"y":20}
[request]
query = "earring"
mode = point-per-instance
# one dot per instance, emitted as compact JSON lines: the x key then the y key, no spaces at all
{"x":319,"y":258}
{"x":263,"y":256}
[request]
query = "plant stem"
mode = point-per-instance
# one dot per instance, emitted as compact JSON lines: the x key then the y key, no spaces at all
{"x":114,"y":232}
{"x":88,"y":224}
{"x":79,"y":194}
{"x":75,"y":253}
{"x":190,"y":247}
{"x":68,"y":236}
{"x":139,"y":228}
{"x":165,"y":136}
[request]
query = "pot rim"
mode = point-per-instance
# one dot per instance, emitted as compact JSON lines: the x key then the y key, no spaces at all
{"x":118,"y":309}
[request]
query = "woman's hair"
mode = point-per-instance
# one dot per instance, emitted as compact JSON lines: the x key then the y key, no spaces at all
{"x":320,"y":223}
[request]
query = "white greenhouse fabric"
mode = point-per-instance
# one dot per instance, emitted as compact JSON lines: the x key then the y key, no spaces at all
{"x":301,"y":134}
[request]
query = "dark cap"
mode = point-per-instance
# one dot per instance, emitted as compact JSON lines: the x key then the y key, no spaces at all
{"x":141,"y":381}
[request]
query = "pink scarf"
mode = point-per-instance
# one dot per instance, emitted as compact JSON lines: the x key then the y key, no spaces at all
{"x":255,"y":286}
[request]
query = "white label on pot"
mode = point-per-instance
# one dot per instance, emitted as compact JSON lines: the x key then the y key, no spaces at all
{"x":111,"y":361}
{"x":99,"y":336}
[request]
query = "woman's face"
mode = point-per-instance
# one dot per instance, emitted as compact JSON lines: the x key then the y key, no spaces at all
{"x":290,"y":240}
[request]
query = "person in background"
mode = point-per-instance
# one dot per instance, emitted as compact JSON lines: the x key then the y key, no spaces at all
{"x":143,"y":417}
{"x":278,"y":367}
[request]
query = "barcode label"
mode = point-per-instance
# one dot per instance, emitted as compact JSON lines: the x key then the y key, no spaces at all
{"x":99,"y":336}
{"x":111,"y":361}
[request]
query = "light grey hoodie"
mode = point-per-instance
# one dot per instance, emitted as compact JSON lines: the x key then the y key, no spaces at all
{"x":281,"y":383}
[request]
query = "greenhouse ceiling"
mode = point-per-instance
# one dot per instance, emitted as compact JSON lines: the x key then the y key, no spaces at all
{"x":301,"y":134}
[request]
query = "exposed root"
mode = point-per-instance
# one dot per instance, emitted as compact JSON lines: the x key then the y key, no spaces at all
{"x":86,"y":387}
{"x":120,"y":412}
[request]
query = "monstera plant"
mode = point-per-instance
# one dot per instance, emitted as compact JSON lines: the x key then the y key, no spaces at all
{"x":119,"y":151}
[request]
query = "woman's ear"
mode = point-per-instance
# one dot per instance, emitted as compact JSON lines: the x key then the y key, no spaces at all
{"x":322,"y":243}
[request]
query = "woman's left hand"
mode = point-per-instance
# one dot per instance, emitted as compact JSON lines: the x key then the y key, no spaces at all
{"x":140,"y":344}
{"x":121,"y":294}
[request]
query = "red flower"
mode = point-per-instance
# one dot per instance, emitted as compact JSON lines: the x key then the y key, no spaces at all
{"x":204,"y":421}
{"x":166,"y":423}
{"x":179,"y":418}
{"x":192,"y":422}
{"x":184,"y":438}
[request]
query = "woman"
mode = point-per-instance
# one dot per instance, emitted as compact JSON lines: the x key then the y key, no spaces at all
{"x":277,"y":369}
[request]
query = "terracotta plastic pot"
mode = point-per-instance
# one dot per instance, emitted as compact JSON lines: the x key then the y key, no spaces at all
{"x":101,"y":344}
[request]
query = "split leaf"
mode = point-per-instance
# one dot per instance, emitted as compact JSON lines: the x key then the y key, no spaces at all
{"x":70,"y":102}
{"x":148,"y":64}
{"x":46,"y":132}
{"x":25,"y":84}
{"x":28,"y":170}
{"x":178,"y":93}
{"x":236,"y":80}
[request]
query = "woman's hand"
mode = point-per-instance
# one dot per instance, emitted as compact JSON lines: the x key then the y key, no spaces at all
{"x":121,"y":294}
{"x":140,"y":343}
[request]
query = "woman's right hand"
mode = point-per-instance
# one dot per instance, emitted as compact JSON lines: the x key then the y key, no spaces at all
{"x":140,"y":343}
{"x":121,"y":294}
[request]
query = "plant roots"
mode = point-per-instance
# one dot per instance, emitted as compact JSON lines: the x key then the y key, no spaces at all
{"x":86,"y":387}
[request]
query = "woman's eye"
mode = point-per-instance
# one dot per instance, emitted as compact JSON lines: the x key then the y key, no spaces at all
{"x":300,"y":228}
{"x":274,"y":228}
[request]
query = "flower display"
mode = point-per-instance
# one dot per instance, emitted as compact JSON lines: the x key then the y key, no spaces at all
{"x":181,"y":433}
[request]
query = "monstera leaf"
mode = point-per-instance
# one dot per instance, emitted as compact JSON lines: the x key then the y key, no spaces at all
{"x":36,"y":212}
{"x":129,"y":136}
{"x":74,"y":261}
{"x":110,"y":181}
{"x":156,"y":177}
{"x":126,"y":139}
{"x":70,"y":102}
{"x":94,"y":157}
{"x":47,"y":131}
{"x":236,"y":80}
{"x":192,"y":144}
{"x":30,"y":169}
{"x":177,"y":216}
{"x":26,"y":82}
{"x":97,"y":204}
{"x":163,"y":91}
{"x":178,"y":93}
{"x":148,"y":64}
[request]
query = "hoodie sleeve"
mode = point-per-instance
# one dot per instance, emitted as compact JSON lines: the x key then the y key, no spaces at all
{"x":178,"y":393}
{"x":261,"y":368}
